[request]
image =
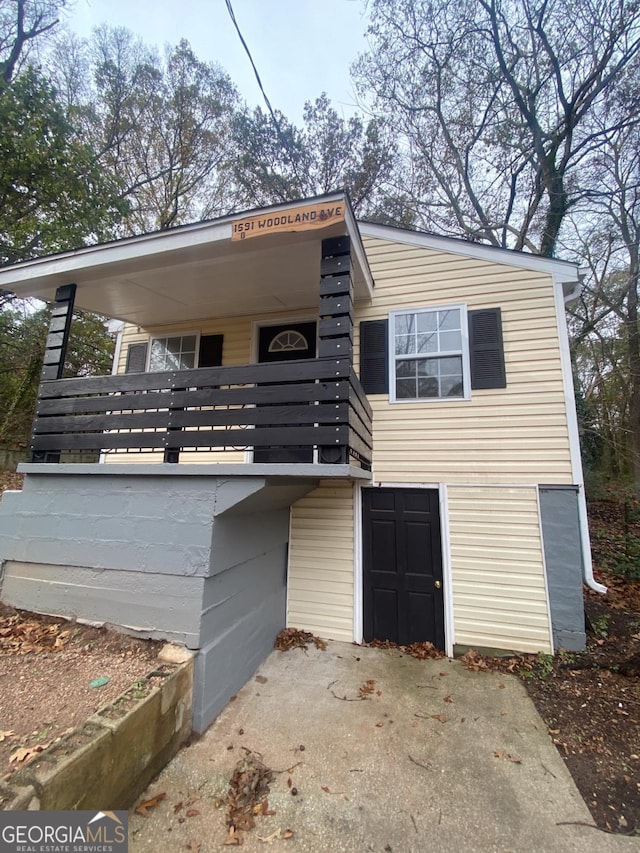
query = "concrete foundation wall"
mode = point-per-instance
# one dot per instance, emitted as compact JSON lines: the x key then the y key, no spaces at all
{"x":563,"y":558}
{"x":199,"y":560}
{"x":160,"y":607}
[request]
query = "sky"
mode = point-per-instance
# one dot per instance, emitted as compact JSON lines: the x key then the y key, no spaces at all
{"x":300,"y":47}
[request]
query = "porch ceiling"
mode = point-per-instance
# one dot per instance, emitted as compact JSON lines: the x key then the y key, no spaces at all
{"x":189,"y":273}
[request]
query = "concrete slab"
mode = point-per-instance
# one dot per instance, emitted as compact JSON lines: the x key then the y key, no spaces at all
{"x":435,"y":758}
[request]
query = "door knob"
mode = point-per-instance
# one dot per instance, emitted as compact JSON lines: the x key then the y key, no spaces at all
{"x":437,"y":584}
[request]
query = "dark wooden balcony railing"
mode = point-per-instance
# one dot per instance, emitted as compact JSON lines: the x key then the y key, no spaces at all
{"x":312,"y":403}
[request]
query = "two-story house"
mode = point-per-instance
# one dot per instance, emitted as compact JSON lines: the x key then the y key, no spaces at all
{"x":357,"y":430}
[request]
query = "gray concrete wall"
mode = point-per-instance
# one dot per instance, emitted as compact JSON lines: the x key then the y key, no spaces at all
{"x":157,"y":606}
{"x":563,"y":558}
{"x":199,"y":560}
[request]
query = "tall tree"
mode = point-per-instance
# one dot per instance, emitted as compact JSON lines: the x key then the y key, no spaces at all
{"x":53,"y":194}
{"x":497,"y":101}
{"x":161,"y":125}
{"x":275,"y":161}
{"x":22,"y":25}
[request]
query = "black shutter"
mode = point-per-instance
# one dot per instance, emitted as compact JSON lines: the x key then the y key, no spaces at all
{"x":374,"y":356}
{"x":486,"y":349}
{"x":210,"y":353}
{"x":136,"y":358}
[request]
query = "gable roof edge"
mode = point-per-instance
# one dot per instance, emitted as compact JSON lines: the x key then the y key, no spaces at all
{"x":563,"y":271}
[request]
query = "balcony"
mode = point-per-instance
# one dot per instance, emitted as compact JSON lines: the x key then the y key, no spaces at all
{"x":313,"y":409}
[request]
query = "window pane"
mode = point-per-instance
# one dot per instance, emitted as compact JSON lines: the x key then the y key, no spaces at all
{"x":156,"y":361}
{"x":428,"y":343}
{"x":428,"y":387}
{"x":449,"y":319}
{"x":451,"y":386}
{"x":450,"y":341}
{"x":187,"y":361}
{"x":172,"y":344}
{"x":405,"y":368}
{"x":450,"y":366}
{"x":406,"y":389}
{"x":428,"y":367}
{"x":188,"y":343}
{"x":404,"y":324}
{"x":405,"y":344}
{"x":427,"y":321}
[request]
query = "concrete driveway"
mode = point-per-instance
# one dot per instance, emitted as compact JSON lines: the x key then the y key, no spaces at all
{"x":434,"y":758}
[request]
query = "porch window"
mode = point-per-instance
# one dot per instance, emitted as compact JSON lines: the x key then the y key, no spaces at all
{"x":175,"y":352}
{"x":429,"y":354}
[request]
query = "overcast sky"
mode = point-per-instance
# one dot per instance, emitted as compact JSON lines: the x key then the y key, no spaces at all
{"x":300,"y":47}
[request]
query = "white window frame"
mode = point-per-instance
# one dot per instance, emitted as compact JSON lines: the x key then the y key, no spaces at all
{"x":466,"y":364}
{"x":159,"y":337}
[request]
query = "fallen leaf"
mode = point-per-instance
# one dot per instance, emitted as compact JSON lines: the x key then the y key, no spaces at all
{"x":23,"y":755}
{"x":288,"y":833}
{"x":442,"y":717}
{"x":289,"y":782}
{"x":6,"y":734}
{"x":473,"y":660}
{"x":502,"y":753}
{"x":192,"y":812}
{"x":379,"y":725}
{"x":274,"y":835}
{"x":260,"y":679}
{"x":448,"y":699}
{"x":151,"y":803}
{"x":325,"y":789}
{"x":233,"y":840}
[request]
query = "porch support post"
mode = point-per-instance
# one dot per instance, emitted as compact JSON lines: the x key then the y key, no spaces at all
{"x":335,"y":328}
{"x":56,"y":350}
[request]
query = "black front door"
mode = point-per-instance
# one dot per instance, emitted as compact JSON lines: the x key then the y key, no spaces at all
{"x":285,"y":343}
{"x":402,"y":566}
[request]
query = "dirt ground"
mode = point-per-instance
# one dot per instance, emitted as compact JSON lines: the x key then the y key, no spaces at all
{"x":589,"y":701}
{"x":47,"y":667}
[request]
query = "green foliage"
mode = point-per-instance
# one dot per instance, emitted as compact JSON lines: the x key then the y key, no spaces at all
{"x":615,"y":530}
{"x":23,"y":332}
{"x":542,"y":667}
{"x":53,"y":194}
{"x":601,"y":626}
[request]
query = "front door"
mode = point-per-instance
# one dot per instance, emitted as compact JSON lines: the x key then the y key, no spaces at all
{"x":402,"y":566}
{"x":285,"y":343}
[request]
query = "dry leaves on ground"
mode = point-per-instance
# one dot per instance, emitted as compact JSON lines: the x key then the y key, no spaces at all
{"x":421,"y":651}
{"x":24,"y":636}
{"x":151,"y":803}
{"x":247,"y":796}
{"x":293,"y":638}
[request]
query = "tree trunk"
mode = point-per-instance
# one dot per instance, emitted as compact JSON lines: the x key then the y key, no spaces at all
{"x":632,"y":324}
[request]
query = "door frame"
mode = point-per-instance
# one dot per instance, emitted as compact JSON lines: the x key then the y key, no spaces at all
{"x":445,"y":544}
{"x":273,"y":320}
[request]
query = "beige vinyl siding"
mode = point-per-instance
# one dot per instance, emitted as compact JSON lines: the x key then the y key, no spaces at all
{"x":497,"y":569}
{"x":320,"y":585}
{"x":514,"y":435}
{"x":236,"y":350}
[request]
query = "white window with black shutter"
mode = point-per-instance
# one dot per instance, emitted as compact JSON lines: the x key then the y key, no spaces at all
{"x":433,"y":353}
{"x":429,"y":354}
{"x":175,"y":352}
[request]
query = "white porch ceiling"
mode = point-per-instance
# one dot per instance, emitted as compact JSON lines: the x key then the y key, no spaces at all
{"x":189,"y":274}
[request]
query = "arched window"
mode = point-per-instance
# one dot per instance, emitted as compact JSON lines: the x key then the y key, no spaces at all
{"x":290,"y":339}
